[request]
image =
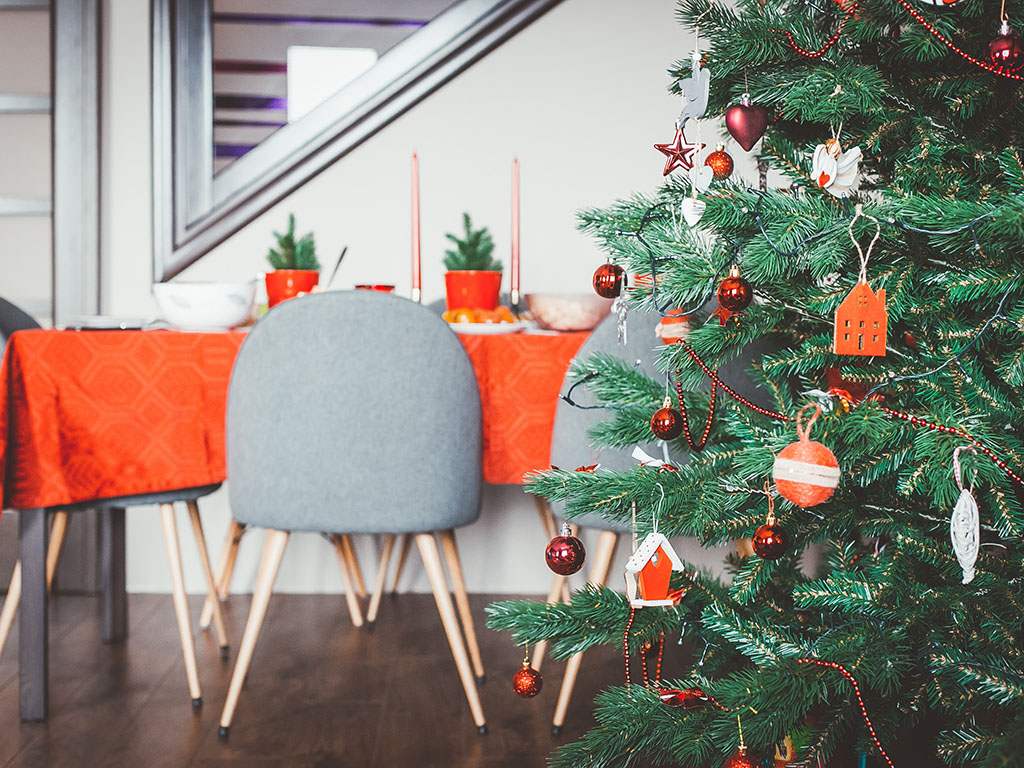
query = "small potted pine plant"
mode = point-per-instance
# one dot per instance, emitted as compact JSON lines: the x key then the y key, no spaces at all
{"x":473,"y":279}
{"x":296,"y":268}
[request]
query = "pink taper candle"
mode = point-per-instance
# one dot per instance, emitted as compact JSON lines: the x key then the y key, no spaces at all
{"x":416,"y":285}
{"x":515,"y":232}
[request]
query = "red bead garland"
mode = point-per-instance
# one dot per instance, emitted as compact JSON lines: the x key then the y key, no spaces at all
{"x":895,"y":414}
{"x":1001,"y":71}
{"x":686,"y":420}
{"x":713,"y":375}
{"x":643,"y":658}
{"x":953,"y":431}
{"x":848,"y":10}
{"x":856,"y":692}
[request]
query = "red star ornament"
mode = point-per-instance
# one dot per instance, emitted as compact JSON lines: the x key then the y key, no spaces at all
{"x":679,"y":152}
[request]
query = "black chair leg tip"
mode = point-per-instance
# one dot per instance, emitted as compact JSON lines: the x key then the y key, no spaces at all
{"x":222,"y":732}
{"x":481,"y":679}
{"x":225,"y":652}
{"x":482,"y":730}
{"x":370,"y":625}
{"x":556,"y":730}
{"x":197,"y":702}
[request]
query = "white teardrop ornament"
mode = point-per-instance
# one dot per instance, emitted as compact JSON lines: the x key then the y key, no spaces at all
{"x":965,"y":533}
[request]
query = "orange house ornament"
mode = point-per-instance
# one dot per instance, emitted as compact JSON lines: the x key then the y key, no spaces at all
{"x":648,"y":572}
{"x":861,"y":323}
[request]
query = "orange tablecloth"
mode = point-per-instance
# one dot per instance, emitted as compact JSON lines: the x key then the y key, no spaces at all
{"x":96,"y":414}
{"x":520,"y":377}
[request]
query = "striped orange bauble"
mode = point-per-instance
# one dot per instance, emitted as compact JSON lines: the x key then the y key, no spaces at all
{"x":806,"y":472}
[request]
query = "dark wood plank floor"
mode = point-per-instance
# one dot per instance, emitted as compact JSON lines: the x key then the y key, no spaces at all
{"x":320,"y":692}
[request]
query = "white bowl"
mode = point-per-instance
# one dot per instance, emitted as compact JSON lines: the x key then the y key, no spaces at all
{"x":204,"y":306}
{"x":567,"y":311}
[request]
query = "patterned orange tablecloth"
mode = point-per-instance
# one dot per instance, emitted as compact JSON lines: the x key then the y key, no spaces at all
{"x":520,"y":377}
{"x":95,"y":414}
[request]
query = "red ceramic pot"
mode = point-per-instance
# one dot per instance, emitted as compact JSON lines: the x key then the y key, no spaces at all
{"x":288,"y":283}
{"x":472,"y":289}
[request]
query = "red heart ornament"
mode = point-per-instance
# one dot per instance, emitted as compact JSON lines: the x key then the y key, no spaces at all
{"x":823,"y":180}
{"x":746,"y":122}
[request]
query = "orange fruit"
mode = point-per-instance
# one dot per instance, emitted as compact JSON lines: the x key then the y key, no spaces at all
{"x":505,"y":315}
{"x":462,"y":316}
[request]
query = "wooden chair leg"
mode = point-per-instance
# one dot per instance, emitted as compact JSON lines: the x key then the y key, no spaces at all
{"x":451,"y":556}
{"x":382,"y":574}
{"x":353,"y":565}
{"x":225,"y":569}
{"x":350,"y":597}
{"x":273,"y":551}
{"x":188,"y":646}
{"x":432,"y":563}
{"x":211,"y":585}
{"x":10,"y":609}
{"x":540,"y":648}
{"x":599,"y":576}
{"x":403,"y":554}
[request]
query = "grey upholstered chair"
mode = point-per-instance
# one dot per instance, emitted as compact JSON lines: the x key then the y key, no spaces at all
{"x":12,"y":319}
{"x":354,"y":412}
{"x":571,"y":448}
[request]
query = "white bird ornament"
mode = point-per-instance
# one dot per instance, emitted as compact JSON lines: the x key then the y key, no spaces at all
{"x":835,"y":171}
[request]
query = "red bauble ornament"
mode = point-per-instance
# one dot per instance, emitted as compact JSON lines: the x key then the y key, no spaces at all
{"x":734,"y":295}
{"x":720,"y":163}
{"x":608,"y":279}
{"x":746,"y":122}
{"x":1006,"y":50}
{"x":740,"y":760}
{"x":806,"y":472}
{"x":689,"y":698}
{"x":770,"y":540}
{"x":565,"y":554}
{"x":667,"y":422}
{"x":527,"y":682}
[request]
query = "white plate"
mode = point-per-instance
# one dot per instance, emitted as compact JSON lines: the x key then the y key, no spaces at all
{"x":104,"y":323}
{"x":486,"y":329}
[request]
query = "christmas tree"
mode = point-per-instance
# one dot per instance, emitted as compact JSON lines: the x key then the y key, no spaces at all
{"x":880,"y":277}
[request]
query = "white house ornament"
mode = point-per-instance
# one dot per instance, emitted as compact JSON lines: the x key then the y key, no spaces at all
{"x":835,"y":171}
{"x":965,"y":524}
{"x":648,"y":572}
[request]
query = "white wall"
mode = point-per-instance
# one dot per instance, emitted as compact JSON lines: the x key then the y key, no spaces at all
{"x":579,"y":97}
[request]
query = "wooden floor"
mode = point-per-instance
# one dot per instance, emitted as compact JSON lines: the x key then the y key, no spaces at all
{"x":320,"y":692}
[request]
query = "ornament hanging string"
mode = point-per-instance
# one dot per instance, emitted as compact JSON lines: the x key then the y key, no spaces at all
{"x":860,"y":252}
{"x":957,"y":472}
{"x":860,"y":701}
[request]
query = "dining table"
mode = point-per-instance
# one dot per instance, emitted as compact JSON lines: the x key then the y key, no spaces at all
{"x":93,"y":415}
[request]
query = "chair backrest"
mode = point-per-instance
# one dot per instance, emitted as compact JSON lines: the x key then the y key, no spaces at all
{"x":353,"y":412}
{"x":13,"y":318}
{"x":571,"y":447}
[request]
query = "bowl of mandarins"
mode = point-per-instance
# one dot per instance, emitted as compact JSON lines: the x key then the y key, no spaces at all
{"x":482,"y":321}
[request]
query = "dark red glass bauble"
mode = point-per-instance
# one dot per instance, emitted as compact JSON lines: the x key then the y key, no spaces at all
{"x":735,"y":293}
{"x":689,"y":698}
{"x":720,"y":163}
{"x":740,"y":760}
{"x":1006,"y":50}
{"x":608,"y":280}
{"x":527,"y":682}
{"x":667,"y":423}
{"x":565,"y":554}
{"x":770,"y":541}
